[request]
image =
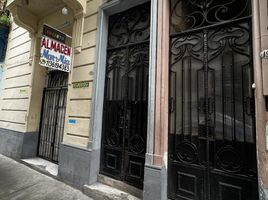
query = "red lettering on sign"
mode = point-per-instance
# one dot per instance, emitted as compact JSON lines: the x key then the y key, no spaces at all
{"x":44,"y":44}
{"x":53,"y":45}
{"x":56,"y":46}
{"x":67,"y":51}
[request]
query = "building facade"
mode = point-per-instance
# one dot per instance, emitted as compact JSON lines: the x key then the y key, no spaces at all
{"x":164,"y":99}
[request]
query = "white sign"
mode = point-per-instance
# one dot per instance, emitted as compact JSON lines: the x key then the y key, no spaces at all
{"x":55,"y":55}
{"x":264,"y":54}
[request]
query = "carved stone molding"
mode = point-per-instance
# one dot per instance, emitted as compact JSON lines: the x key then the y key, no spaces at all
{"x":25,"y":17}
{"x":78,"y":32}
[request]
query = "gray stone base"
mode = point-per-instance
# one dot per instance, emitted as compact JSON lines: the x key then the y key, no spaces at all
{"x":155,"y":183}
{"x":120,"y":186}
{"x":263,"y":193}
{"x":100,"y":191}
{"x":18,"y":145}
{"x":78,"y":166}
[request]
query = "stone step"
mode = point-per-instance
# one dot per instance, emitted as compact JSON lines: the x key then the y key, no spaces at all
{"x":99,"y":191}
{"x":120,"y":185}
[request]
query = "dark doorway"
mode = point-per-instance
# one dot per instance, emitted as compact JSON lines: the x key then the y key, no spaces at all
{"x":212,"y":153}
{"x":53,"y":116}
{"x":126,"y":96}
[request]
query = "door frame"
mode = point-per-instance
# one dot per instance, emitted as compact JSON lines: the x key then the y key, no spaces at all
{"x":106,"y":10}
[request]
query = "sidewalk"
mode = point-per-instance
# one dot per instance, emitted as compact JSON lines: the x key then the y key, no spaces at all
{"x":19,"y":182}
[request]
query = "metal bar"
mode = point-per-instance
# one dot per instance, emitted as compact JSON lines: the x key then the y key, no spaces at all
{"x":233,"y":100}
{"x":223,"y":98}
{"x":190,"y":96}
{"x":128,"y":45}
{"x":40,"y":123}
{"x":205,"y":32}
{"x":56,"y":125}
{"x":55,"y":88}
{"x":243,"y":103}
{"x":230,"y":22}
{"x":182,"y":99}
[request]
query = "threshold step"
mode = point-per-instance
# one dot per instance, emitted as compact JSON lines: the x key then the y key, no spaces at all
{"x":99,"y":191}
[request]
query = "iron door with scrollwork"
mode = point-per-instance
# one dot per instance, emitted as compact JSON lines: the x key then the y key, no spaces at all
{"x":126,"y":94}
{"x":53,"y":115}
{"x":212,"y":153}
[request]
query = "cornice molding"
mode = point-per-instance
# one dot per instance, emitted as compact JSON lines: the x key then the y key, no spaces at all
{"x":27,"y":20}
{"x":23,"y":18}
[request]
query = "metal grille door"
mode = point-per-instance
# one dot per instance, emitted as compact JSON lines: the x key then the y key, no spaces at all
{"x":53,"y":116}
{"x":126,"y":94}
{"x":212,"y":153}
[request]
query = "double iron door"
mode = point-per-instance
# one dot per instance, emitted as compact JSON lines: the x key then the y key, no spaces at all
{"x":212,"y":154}
{"x":126,"y":96}
{"x":53,"y":116}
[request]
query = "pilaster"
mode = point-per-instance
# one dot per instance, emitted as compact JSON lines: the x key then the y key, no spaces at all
{"x":260,"y":32}
{"x":155,"y":178}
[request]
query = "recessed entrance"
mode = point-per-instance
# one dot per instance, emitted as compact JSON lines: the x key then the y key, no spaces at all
{"x":212,"y":153}
{"x":126,"y":96}
{"x":53,"y":115}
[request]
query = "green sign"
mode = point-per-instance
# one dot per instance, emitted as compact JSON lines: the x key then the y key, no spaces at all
{"x":82,"y":84}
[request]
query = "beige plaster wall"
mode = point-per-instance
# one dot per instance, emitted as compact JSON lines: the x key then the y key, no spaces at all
{"x":16,"y":90}
{"x":79,"y":100}
{"x":24,"y":79}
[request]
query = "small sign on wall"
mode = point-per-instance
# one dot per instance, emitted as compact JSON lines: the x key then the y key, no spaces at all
{"x":23,"y":91}
{"x":82,"y":84}
{"x":72,"y":121}
{"x":264,"y":54}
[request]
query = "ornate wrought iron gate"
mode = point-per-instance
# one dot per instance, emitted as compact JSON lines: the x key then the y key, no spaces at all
{"x":212,"y":153}
{"x":53,"y":116}
{"x":125,"y":103}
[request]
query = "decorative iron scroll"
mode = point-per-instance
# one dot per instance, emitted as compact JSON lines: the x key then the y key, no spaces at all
{"x":228,"y":58}
{"x":191,"y":44}
{"x":189,"y":14}
{"x":236,"y":37}
{"x":131,"y":28}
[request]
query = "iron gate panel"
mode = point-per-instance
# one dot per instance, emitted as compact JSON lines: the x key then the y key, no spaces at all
{"x":212,"y":153}
{"x":126,"y":96}
{"x":53,"y":116}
